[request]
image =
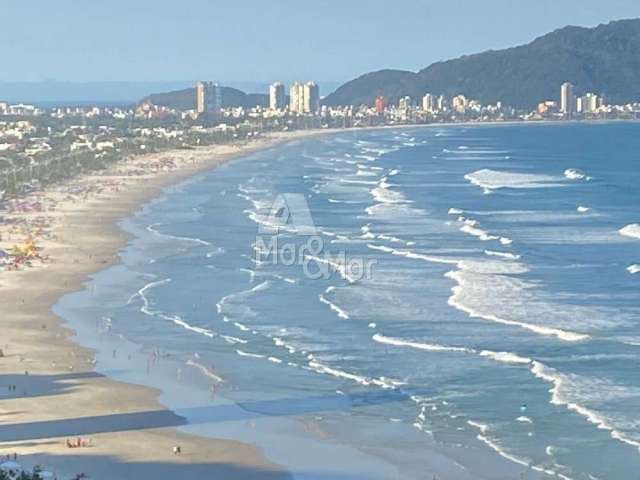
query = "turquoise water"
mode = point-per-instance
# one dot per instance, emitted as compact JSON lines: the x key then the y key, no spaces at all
{"x":497,"y":332}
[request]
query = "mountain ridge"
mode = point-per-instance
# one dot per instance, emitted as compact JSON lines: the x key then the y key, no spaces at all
{"x":602,"y":59}
{"x":185,"y":99}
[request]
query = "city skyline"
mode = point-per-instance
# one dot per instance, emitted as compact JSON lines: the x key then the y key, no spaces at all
{"x":99,"y":43}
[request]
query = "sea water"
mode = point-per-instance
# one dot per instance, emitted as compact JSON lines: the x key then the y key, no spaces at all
{"x":496,"y":335}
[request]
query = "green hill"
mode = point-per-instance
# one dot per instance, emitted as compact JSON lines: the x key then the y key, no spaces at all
{"x":185,"y":99}
{"x":602,"y":60}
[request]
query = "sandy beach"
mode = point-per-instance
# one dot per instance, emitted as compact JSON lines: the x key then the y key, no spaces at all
{"x":50,"y":397}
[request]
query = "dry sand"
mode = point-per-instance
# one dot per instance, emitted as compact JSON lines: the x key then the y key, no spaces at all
{"x":57,"y":394}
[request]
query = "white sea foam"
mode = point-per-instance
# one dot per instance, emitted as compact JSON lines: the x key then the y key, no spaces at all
{"x":233,"y":340}
{"x":472,"y":227}
{"x":430,"y":347}
{"x":507,"y":255}
{"x":179,"y":321}
{"x":575,"y":174}
{"x":387,"y":383}
{"x":366,"y":173}
{"x":503,"y":453}
{"x":369,"y":158}
{"x":582,"y":209}
{"x":467,"y":284}
{"x":500,"y":357}
{"x":631,"y":231}
{"x":357,"y":182}
{"x":205,"y":371}
{"x":228,"y":299}
{"x":383,"y":194}
{"x":523,"y":419}
{"x":279,"y":342}
{"x":505,"y":357}
{"x":494,"y":445}
{"x":570,"y":390}
{"x":339,"y":311}
{"x":369,"y":167}
{"x":390,"y":238}
{"x":339,"y":267}
{"x":480,"y":426}
{"x":242,"y":327}
{"x":455,"y":211}
{"x":633,"y":269}
{"x":482,"y":279}
{"x":478,"y":232}
{"x":176,"y":319}
{"x":242,"y":353}
{"x":413,"y":255}
{"x":491,"y":180}
{"x":152,"y":229}
{"x":321,"y":368}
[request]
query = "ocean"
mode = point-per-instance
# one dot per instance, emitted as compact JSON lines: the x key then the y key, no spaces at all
{"x":457,"y":301}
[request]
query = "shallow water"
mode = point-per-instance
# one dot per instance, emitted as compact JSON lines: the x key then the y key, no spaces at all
{"x":498,"y":332}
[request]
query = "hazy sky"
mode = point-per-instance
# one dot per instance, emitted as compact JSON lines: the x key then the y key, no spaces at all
{"x":263,"y":40}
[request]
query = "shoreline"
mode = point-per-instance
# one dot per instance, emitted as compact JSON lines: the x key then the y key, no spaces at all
{"x":62,"y":373}
{"x":58,"y":395}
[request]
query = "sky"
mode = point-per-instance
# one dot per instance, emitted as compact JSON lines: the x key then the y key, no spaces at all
{"x":268,"y":40}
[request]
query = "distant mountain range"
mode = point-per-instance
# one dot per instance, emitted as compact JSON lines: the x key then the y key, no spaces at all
{"x":185,"y":99}
{"x":604,"y":60}
{"x":58,"y":92}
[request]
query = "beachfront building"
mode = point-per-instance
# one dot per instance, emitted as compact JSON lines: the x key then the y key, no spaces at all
{"x":304,"y":98}
{"x":459,"y":103}
{"x":428,"y":103}
{"x":311,"y":98}
{"x":208,"y":97}
{"x":296,"y":98}
{"x":567,"y":99}
{"x":277,"y":96}
{"x":404,"y":103}
{"x":380,"y":104}
{"x":589,"y":103}
{"x":547,"y":107}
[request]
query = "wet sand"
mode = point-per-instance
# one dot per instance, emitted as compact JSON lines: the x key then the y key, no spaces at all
{"x":49,"y":392}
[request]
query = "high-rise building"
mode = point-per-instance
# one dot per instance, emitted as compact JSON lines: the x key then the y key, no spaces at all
{"x":208,"y":97}
{"x":311,"y":98}
{"x":380,"y":104}
{"x":459,"y":103}
{"x":428,"y":103}
{"x":405,"y":103}
{"x":276,"y":96}
{"x":591,"y":102}
{"x":296,"y":97}
{"x":567,"y":100}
